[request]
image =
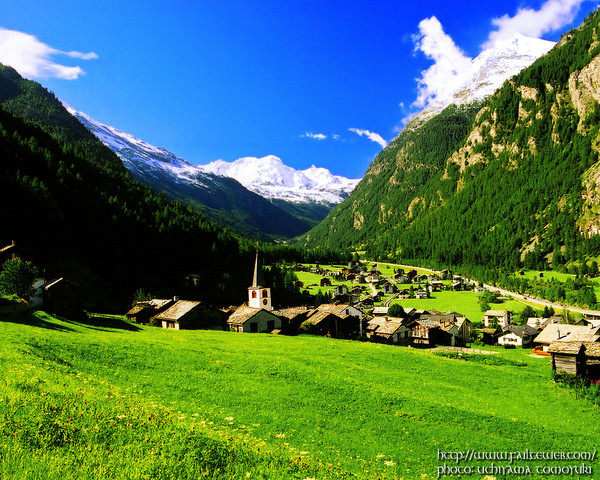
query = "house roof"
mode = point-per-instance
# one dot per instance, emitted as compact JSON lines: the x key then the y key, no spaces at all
{"x":521,"y":331}
{"x":243,"y":314}
{"x":568,"y":348}
{"x":592,"y":349}
{"x":567,"y":333}
{"x":333,"y":308}
{"x":137,"y":309}
{"x":56,"y":281}
{"x":175,"y":312}
{"x":291,"y":312}
{"x":380,"y":310}
{"x":319,"y":316}
{"x":159,"y":303}
{"x":496,"y":313}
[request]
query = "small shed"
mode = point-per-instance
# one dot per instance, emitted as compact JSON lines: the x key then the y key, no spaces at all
{"x":568,"y":357}
{"x":61,"y":297}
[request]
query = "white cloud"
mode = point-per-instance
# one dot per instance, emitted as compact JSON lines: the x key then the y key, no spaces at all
{"x":316,"y":136}
{"x":451,"y":66}
{"x":34,"y":59}
{"x":374,"y":137}
{"x":552,"y":15}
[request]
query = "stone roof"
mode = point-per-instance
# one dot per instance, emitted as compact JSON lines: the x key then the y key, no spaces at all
{"x":564,"y":332}
{"x":175,"y":312}
{"x":567,"y":348}
{"x":496,"y":313}
{"x":242,"y":315}
{"x":521,"y":331}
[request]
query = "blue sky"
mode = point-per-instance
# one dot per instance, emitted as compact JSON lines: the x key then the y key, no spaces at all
{"x":314,"y":82}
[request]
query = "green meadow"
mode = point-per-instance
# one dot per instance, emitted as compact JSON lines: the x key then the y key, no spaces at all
{"x":112,"y":400}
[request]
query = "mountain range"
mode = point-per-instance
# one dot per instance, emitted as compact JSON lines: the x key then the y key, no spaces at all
{"x":262,"y":198}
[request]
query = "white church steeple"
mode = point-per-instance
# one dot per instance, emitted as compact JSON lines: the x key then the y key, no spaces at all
{"x":259,"y":296}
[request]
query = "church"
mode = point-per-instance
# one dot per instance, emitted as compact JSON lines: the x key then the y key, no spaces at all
{"x":256,"y":317}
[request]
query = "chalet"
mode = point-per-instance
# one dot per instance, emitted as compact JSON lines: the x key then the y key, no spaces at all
{"x":13,"y":251}
{"x":340,"y":289}
{"x":388,"y":288}
{"x":462,"y":323}
{"x":404,"y":294}
{"x":427,"y":333}
{"x":402,"y":279}
{"x":539,"y":323}
{"x":458,"y":286}
{"x":411,"y":274}
{"x":189,"y":315}
{"x":421,"y":294}
{"x":292,"y":318}
{"x":325,"y":282}
{"x":367,"y":302}
{"x":562,"y":332}
{"x":446,"y":274}
{"x":389,"y":330}
{"x":437,"y":285}
{"x":253,"y":320}
{"x":142,"y":312}
{"x":419,"y":279}
{"x":489,"y":336}
{"x":344,"y":298}
{"x":519,"y":336}
{"x":502,"y":318}
{"x":61,"y":297}
{"x":350,"y":277}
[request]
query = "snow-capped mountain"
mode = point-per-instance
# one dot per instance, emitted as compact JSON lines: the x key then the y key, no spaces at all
{"x":258,"y":197}
{"x":271,"y":178}
{"x":490,"y":69}
{"x":220,"y":198}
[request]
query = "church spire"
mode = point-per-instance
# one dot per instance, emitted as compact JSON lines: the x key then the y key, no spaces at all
{"x":255,"y":281}
{"x":258,"y":279}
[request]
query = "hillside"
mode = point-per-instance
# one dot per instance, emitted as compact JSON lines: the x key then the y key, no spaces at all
{"x":513,"y":183}
{"x":219,"y":197}
{"x":114,"y":400}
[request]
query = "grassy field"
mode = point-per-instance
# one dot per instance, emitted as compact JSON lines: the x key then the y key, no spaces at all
{"x":466,"y":303}
{"x":113,"y":400}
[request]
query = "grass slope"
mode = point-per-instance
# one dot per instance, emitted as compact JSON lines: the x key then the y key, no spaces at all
{"x":112,"y":400}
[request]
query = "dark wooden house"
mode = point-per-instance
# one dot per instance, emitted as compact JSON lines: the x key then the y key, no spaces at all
{"x":61,"y":297}
{"x":568,"y":357}
{"x":186,"y":314}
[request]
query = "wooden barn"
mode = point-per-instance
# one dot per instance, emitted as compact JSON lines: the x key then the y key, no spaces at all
{"x":568,"y":357}
{"x":188,"y":315}
{"x":61,"y":297}
{"x":142,"y":312}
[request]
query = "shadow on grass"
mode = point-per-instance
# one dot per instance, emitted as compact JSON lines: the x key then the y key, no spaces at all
{"x":29,"y":318}
{"x":106,"y":323}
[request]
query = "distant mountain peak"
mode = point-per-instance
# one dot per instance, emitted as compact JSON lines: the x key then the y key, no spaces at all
{"x":490,"y":69}
{"x":271,"y":178}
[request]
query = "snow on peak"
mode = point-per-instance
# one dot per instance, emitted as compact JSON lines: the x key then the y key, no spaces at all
{"x":490,"y":69}
{"x":270,"y":177}
{"x":267,"y":176}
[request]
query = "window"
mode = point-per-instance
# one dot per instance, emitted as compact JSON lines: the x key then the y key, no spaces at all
{"x":265,"y":293}
{"x":253,"y":293}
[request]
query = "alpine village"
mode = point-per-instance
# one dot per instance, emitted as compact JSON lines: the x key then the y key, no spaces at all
{"x":447,"y":303}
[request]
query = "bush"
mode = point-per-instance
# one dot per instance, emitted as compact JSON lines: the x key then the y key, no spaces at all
{"x":17,"y":277}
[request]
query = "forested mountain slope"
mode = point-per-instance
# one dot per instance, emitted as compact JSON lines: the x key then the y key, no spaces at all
{"x":518,"y":185}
